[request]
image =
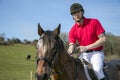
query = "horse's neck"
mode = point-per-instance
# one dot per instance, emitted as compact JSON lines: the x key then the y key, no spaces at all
{"x":66,"y":66}
{"x":64,"y":59}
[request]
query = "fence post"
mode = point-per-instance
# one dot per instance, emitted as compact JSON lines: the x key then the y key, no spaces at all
{"x":30,"y":75}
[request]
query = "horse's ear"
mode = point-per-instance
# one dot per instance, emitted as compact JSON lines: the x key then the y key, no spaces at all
{"x":57,"y":30}
{"x":40,"y":30}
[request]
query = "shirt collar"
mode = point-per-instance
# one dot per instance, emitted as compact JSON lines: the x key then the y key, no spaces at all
{"x":81,"y":25}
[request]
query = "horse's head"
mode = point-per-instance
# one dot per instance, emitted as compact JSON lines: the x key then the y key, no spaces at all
{"x":47,"y":51}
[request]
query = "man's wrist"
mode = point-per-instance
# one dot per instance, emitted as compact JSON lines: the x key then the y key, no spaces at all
{"x":70,"y":53}
{"x":87,"y":48}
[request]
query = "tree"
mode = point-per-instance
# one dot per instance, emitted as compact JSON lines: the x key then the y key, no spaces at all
{"x":26,"y":41}
{"x":2,"y":37}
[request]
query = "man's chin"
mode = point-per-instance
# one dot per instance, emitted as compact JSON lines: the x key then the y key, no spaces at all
{"x":78,"y":20}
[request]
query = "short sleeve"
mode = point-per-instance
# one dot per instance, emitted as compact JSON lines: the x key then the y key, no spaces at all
{"x":71,"y":37}
{"x":98,"y":27}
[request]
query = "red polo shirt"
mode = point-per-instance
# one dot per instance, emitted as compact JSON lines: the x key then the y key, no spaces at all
{"x":87,"y":33}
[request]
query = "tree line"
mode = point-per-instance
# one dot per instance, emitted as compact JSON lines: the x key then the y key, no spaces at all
{"x":12,"y":41}
{"x":111,"y":47}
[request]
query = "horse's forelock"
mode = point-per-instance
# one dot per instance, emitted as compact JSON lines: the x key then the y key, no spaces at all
{"x":48,"y":39}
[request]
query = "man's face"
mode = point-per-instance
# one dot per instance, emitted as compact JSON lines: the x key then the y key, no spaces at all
{"x":77,"y":15}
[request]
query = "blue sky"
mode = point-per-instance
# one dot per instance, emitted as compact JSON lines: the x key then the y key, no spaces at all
{"x":19,"y":18}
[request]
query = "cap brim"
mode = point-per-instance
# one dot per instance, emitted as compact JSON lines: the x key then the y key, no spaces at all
{"x":75,"y":11}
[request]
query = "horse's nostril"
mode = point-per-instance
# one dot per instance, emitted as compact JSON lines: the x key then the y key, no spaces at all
{"x":37,"y":76}
{"x":41,"y":77}
{"x":44,"y":76}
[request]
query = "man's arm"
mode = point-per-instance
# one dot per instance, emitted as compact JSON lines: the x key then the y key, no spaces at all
{"x":99,"y":42}
{"x":71,"y":48}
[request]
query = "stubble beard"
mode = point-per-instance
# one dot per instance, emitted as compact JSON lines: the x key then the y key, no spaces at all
{"x":79,"y":20}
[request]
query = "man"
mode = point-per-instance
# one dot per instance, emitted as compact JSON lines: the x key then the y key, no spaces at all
{"x":90,"y":36}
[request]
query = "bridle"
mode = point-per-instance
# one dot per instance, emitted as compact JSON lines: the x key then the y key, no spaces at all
{"x":51,"y":61}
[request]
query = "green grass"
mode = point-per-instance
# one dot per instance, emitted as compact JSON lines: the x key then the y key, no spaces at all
{"x":13,"y":63}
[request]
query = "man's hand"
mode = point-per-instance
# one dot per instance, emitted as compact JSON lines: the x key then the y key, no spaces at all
{"x":82,"y":48}
{"x":71,"y":48}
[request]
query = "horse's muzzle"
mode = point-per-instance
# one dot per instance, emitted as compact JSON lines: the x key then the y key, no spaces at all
{"x":41,"y":77}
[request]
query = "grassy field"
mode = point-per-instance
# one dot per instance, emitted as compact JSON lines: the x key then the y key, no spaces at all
{"x":13,"y":63}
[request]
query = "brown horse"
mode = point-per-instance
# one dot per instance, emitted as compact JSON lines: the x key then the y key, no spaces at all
{"x":53,"y":61}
